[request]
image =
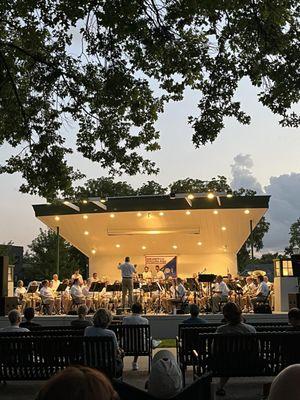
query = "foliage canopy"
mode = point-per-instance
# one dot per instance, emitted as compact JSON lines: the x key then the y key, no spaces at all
{"x":96,"y":63}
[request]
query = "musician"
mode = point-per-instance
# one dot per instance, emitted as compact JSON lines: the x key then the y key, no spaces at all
{"x":249,"y":291}
{"x":20,"y":293}
{"x":76,"y":292}
{"x":87,"y":294}
{"x":220,"y":293}
{"x":180,"y":290}
{"x":94,"y":277}
{"x":262,"y":291}
{"x":78,"y":276}
{"x":66,"y":297}
{"x":147,"y":275}
{"x":127,"y":270}
{"x":159,"y":274}
{"x":48,"y":299}
{"x":55,"y":282}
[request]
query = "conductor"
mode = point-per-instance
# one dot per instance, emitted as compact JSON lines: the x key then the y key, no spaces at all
{"x":127,"y":270}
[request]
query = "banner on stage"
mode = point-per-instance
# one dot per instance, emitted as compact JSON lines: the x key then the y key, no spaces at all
{"x":167,"y":264}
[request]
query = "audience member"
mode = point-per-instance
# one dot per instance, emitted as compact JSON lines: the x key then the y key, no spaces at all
{"x":135,"y":319}
{"x":234,"y":325}
{"x":294,"y":319}
{"x":286,"y":384}
{"x":194,"y":318}
{"x":28,"y":315}
{"x":78,"y":383}
{"x":165,"y":379}
{"x":81,"y":321}
{"x":102,"y":318}
{"x":14,"y":318}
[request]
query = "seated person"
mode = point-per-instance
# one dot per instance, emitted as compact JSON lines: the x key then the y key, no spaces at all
{"x":20,"y":293}
{"x":76,"y":292}
{"x":194,"y":318}
{"x":55,"y":282}
{"x":221,"y":292}
{"x":165,"y":379}
{"x":101,"y":320}
{"x":48,"y":297}
{"x":81,"y":321}
{"x":135,"y":319}
{"x":262,"y":291}
{"x":28,"y":315}
{"x":234,"y":325}
{"x":294,"y":319}
{"x":14,"y":318}
{"x":78,"y":383}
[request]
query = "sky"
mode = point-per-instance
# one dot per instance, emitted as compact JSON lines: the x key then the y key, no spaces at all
{"x":261,"y":156}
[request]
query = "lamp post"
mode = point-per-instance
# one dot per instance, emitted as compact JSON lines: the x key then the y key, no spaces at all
{"x":57,"y":250}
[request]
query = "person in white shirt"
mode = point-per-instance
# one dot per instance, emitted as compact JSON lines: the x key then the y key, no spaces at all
{"x":20,"y":293}
{"x":135,"y":319}
{"x":78,"y":276}
{"x":94,"y":277}
{"x":55,"y":282}
{"x":147,"y":275}
{"x":262,"y":291}
{"x":249,"y":291}
{"x":48,"y":298}
{"x":159,"y":274}
{"x":76,"y":293}
{"x":86,"y":292}
{"x":14,"y":318}
{"x":220,"y":294}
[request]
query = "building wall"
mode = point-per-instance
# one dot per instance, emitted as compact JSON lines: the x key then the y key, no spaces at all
{"x":186,"y":264}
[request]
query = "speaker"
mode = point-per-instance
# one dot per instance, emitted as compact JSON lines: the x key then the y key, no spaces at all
{"x":294,"y":300}
{"x":7,"y":304}
{"x":4,"y":262}
{"x":296,"y":265}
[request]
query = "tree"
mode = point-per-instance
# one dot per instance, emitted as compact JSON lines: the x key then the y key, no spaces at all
{"x":104,"y":89}
{"x":41,"y":257}
{"x":189,"y":185}
{"x":294,"y":237}
{"x":104,"y":187}
{"x":151,"y":188}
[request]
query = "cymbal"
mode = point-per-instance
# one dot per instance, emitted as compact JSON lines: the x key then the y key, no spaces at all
{"x":257,"y":272}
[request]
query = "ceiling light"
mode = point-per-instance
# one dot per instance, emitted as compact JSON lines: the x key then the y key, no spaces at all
{"x":93,"y":251}
{"x":84,"y":201}
{"x":57,"y":218}
{"x":199,"y":243}
{"x":85,"y":217}
{"x":103,"y":201}
{"x":210,"y":195}
{"x":247,"y":212}
{"x":191,"y":197}
{"x":139,"y":214}
{"x":161,"y":214}
{"x":112,"y":215}
{"x":144,"y":247}
{"x":188,"y":212}
{"x":174,"y":246}
{"x":223,"y":228}
{"x":117,"y":246}
{"x":229,"y":195}
{"x":66,"y":203}
{"x":215,"y":212}
{"x":86,"y":233}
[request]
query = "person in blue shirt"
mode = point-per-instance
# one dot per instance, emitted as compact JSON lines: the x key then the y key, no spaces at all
{"x":194,"y":318}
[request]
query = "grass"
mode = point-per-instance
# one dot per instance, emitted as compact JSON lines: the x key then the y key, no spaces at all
{"x":167,"y":343}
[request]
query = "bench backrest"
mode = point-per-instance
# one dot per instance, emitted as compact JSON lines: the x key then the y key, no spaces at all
{"x":134,"y":339}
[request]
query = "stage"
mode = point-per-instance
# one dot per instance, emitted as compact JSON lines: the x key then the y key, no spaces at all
{"x":162,"y":326}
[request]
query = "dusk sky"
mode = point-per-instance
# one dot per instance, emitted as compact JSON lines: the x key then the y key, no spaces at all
{"x":262,"y":156}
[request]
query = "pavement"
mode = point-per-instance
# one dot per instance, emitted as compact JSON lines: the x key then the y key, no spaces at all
{"x":236,"y":388}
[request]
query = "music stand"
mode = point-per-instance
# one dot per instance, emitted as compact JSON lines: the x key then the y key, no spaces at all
{"x":62,"y":287}
{"x":209,"y":279}
{"x":31,"y":290}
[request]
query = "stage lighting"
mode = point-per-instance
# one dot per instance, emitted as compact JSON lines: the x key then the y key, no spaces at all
{"x":210,"y":195}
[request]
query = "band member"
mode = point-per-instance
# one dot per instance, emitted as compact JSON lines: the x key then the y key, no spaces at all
{"x":94,"y":277}
{"x":159,"y":274}
{"x":180,"y":290}
{"x":66,"y":297}
{"x":262,"y":291}
{"x":249,"y":291}
{"x":20,"y":293}
{"x":147,"y":275}
{"x":76,"y":293}
{"x":78,"y":276}
{"x":48,"y":298}
{"x":127,"y":270}
{"x":55,"y":282}
{"x":220,"y":293}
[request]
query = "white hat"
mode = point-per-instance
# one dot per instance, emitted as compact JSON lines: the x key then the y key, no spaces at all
{"x":286,"y":384}
{"x":165,"y":379}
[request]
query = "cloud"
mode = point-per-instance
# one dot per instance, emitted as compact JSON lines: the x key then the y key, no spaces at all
{"x":284,"y":206}
{"x":242,"y":174}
